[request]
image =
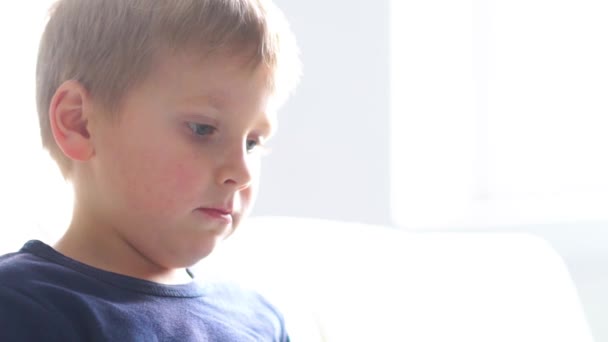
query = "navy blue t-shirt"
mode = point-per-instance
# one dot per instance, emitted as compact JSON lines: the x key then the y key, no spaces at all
{"x":46,"y":296}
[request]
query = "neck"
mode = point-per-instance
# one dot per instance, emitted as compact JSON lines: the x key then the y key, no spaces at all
{"x":102,"y":248}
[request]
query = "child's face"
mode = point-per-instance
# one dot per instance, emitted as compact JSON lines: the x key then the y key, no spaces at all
{"x":179,"y":169}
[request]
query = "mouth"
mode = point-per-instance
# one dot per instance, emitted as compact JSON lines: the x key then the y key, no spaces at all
{"x":218,"y":214}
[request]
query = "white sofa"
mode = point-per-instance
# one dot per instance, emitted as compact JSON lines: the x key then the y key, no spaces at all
{"x":338,"y":281}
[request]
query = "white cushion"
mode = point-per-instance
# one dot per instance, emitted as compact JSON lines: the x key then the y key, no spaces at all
{"x":338,"y":281}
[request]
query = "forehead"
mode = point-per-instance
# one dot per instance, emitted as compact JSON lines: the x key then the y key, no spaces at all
{"x":210,"y":69}
{"x":227,"y":83}
{"x":214,"y":79}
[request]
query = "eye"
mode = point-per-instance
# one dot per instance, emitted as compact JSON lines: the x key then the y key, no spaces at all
{"x":201,"y":129}
{"x":250,"y":145}
{"x":257,"y":146}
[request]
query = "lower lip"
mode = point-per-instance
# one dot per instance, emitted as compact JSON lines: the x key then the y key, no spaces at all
{"x":216,"y":215}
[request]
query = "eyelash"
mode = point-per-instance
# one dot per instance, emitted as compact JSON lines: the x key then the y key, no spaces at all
{"x":202,"y":130}
{"x":195,"y":127}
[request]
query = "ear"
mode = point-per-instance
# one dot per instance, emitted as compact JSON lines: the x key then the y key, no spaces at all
{"x":69,"y":121}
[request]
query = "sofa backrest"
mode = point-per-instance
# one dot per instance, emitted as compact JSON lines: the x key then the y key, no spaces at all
{"x":338,"y":281}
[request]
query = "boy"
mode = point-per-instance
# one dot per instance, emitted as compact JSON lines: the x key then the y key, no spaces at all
{"x":156,"y":111}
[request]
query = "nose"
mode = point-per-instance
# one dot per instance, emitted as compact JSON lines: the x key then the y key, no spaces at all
{"x":235,"y":170}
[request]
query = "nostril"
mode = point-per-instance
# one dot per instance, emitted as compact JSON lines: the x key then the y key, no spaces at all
{"x":229,"y":181}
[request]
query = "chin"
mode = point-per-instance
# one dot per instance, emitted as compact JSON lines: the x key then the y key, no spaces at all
{"x":202,"y":250}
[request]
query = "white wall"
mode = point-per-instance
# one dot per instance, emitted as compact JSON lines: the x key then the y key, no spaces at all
{"x":331,"y":156}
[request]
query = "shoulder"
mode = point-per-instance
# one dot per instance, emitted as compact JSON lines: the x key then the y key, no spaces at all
{"x":29,"y":318}
{"x":18,"y":269}
{"x":20,"y":276}
{"x":24,"y":305}
{"x":27,"y":272}
{"x":39,"y":271}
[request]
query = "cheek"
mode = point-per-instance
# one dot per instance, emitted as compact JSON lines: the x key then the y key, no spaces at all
{"x":161,"y":181}
{"x":185,"y":181}
{"x":249,"y":195}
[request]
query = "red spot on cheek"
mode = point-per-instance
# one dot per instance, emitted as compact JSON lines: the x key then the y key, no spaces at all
{"x":183,"y":182}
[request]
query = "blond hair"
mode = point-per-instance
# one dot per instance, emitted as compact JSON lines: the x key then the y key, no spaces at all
{"x":109,"y":46}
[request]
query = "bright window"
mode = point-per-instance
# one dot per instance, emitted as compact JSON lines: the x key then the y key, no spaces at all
{"x":499,"y":112}
{"x":34,"y":199}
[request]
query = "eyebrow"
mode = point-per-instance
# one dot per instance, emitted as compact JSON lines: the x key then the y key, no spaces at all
{"x":215,"y":99}
{"x":268,"y":126}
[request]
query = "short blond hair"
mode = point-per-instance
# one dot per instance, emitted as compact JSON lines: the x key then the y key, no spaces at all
{"x":109,"y":46}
